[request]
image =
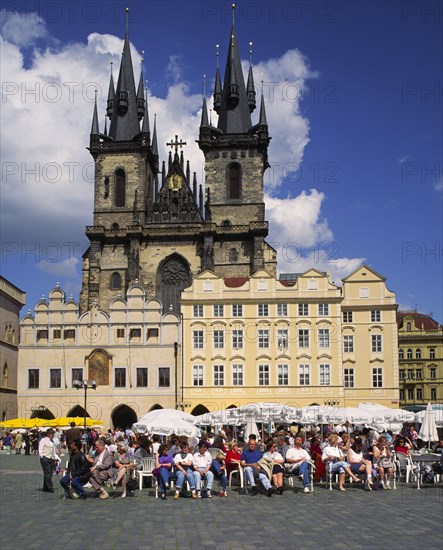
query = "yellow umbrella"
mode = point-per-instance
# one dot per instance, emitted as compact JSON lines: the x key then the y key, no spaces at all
{"x":13,"y":423}
{"x":24,"y":423}
{"x":66,"y":421}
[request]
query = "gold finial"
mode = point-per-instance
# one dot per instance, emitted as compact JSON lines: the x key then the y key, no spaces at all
{"x":217,"y":47}
{"x":250,"y":53}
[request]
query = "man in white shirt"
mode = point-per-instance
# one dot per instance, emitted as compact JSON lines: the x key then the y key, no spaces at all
{"x":202,"y":461}
{"x":46,"y":451}
{"x":297,"y":457}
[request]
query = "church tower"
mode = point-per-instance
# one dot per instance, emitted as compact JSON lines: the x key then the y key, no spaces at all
{"x":155,"y":225}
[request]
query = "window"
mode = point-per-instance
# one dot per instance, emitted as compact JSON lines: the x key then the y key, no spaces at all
{"x":411,"y":394}
{"x":42,"y":334}
{"x":419,"y":374}
{"x":323,"y":337}
{"x":375,"y":316}
{"x":55,"y":378}
{"x":56,"y":334}
{"x":402,"y":395}
{"x":198,"y":310}
{"x":409,"y":354}
{"x":418,"y":353}
{"x":433,"y":394}
{"x":419,"y":393}
{"x":283,"y":375}
{"x":348,"y":344}
{"x":433,"y":373}
{"x":237,"y":375}
{"x":401,"y":374}
{"x":303,"y":338}
{"x":432,"y":353}
{"x":408,"y":327}
{"x":120,"y":377}
{"x":323,"y":309}
{"x":237,"y":339}
{"x":219,"y":339}
{"x":120,"y":333}
{"x":152,"y":333}
{"x":197,"y":375}
{"x":219,"y":310}
{"x":410,"y":374}
{"x":364,"y":292}
{"x":164,"y":380}
{"x":347,"y":317}
{"x":263,"y":338}
{"x":312,"y":284}
{"x":401,"y":354}
{"x":303,"y":310}
{"x":376,"y":343}
{"x":282,"y":310}
{"x":349,"y":378}
{"x":142,"y":377}
{"x":282,"y":339}
{"x":135,"y":333}
{"x":120,"y":188}
{"x":263,"y":375}
{"x":233,"y":256}
{"x":219,"y":375}
{"x":234,"y":182}
{"x":325,"y":375}
{"x":377,"y":377}
{"x":69,"y":334}
{"x":237,"y":310}
{"x":76,"y":374}
{"x":304,"y":375}
{"x":33,"y":378}
{"x":197,"y":336}
{"x":116,"y":282}
{"x":263,"y":310}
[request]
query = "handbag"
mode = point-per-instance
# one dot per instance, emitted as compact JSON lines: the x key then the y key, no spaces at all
{"x":384,"y":462}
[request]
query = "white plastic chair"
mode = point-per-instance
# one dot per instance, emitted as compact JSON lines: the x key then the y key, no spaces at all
{"x":238,"y":473}
{"x":147,"y":467}
{"x":290,"y":476}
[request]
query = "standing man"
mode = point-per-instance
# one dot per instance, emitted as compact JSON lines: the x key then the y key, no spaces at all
{"x":18,"y":443}
{"x":46,"y":451}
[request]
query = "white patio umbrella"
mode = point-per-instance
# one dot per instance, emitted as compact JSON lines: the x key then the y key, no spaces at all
{"x":167,"y":413}
{"x":167,"y":426}
{"x":428,"y":429}
{"x":251,"y":428}
{"x":437,"y":414}
{"x":353,"y":415}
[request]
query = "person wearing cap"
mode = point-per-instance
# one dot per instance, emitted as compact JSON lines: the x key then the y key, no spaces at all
{"x":358,"y":463}
{"x":46,"y":451}
{"x":202,"y":461}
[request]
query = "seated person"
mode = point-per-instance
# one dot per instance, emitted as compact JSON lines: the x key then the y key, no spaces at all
{"x":123,"y":461}
{"x":383,"y":461}
{"x":401,"y":446}
{"x":249,"y":461}
{"x":102,"y":468}
{"x":202,"y":461}
{"x":283,"y":444}
{"x":163,"y":465}
{"x":344,"y":444}
{"x":358,"y":463}
{"x":183,"y":469}
{"x":144,"y":446}
{"x":218,"y":468}
{"x":297,"y":458}
{"x":277,"y":469}
{"x":232,"y":457}
{"x":332,"y":454}
{"x":77,"y":473}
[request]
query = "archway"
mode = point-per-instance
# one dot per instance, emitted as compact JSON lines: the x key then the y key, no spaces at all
{"x":123,"y":417}
{"x":42,"y":412}
{"x":232,"y":406}
{"x":199,"y":409}
{"x":79,"y":411}
{"x":155,"y":407}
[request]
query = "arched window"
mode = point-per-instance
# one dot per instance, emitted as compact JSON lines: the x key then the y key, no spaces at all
{"x":120,"y":188}
{"x":173,"y":275}
{"x":234,"y":182}
{"x":409,"y":327}
{"x":401,"y":354}
{"x":116,"y":281}
{"x":409,"y":353}
{"x":233,"y":256}
{"x":418,"y":353}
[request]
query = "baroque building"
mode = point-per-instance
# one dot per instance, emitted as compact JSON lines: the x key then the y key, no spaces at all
{"x":154,"y":224}
{"x":420,"y":354}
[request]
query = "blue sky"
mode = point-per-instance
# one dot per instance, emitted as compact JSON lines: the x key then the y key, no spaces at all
{"x":354,"y":100}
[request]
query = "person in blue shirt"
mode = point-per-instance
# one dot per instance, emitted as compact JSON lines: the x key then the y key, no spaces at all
{"x":249,"y":461}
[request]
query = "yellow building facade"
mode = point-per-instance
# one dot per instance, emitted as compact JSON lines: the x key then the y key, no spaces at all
{"x":420,"y":341}
{"x":131,"y":353}
{"x":297,"y":342}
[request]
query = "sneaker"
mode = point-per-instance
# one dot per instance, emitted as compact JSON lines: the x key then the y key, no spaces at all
{"x":208,"y":493}
{"x":176,"y":495}
{"x":269,"y":492}
{"x":75,"y":495}
{"x":370,"y":481}
{"x":306,"y":490}
{"x":199,"y":494}
{"x":194,"y":494}
{"x":388,"y":485}
{"x":222,"y":493}
{"x":87,"y":485}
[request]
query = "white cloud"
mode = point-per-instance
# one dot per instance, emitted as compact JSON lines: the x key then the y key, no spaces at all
{"x":22,"y":29}
{"x":65,"y":268}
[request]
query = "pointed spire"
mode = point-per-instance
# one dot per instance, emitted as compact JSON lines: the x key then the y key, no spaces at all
{"x":145,"y":126}
{"x":250,"y":88}
{"x":204,"y":120}
{"x":218,"y":85}
{"x":194,"y":185}
{"x":140,"y":92}
{"x":154,"y":146}
{"x":106,"y":127}
{"x":94,"y":128}
{"x":262,"y":120}
{"x":163,"y":173}
{"x":169,"y":160}
{"x":188,"y":172}
{"x":111,"y":94}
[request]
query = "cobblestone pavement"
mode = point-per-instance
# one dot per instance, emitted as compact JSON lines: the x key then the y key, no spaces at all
{"x":30,"y":519}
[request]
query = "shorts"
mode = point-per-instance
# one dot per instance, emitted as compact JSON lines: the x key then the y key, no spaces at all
{"x":355,"y":468}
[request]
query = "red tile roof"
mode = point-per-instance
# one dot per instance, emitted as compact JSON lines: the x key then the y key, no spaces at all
{"x":421,"y":320}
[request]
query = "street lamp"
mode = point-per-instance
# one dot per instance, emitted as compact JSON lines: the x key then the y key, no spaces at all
{"x":84,"y":384}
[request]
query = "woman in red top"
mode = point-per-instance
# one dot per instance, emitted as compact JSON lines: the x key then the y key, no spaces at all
{"x":402,"y":447}
{"x":232,"y":457}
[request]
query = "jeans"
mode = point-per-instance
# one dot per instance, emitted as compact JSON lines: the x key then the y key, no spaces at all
{"x":223,"y":479}
{"x":76,"y":484}
{"x":339,"y":467}
{"x":250,"y":478}
{"x":302,"y":469}
{"x":209,"y":476}
{"x":181,"y":478}
{"x":164,"y":476}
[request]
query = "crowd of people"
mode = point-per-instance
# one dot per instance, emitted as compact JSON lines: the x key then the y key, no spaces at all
{"x":189,"y":468}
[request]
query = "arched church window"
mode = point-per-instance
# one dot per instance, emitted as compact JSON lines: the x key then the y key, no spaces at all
{"x":173,"y":276}
{"x":234,"y":181}
{"x":120,"y":188}
{"x":116,"y":281}
{"x":233,"y":256}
